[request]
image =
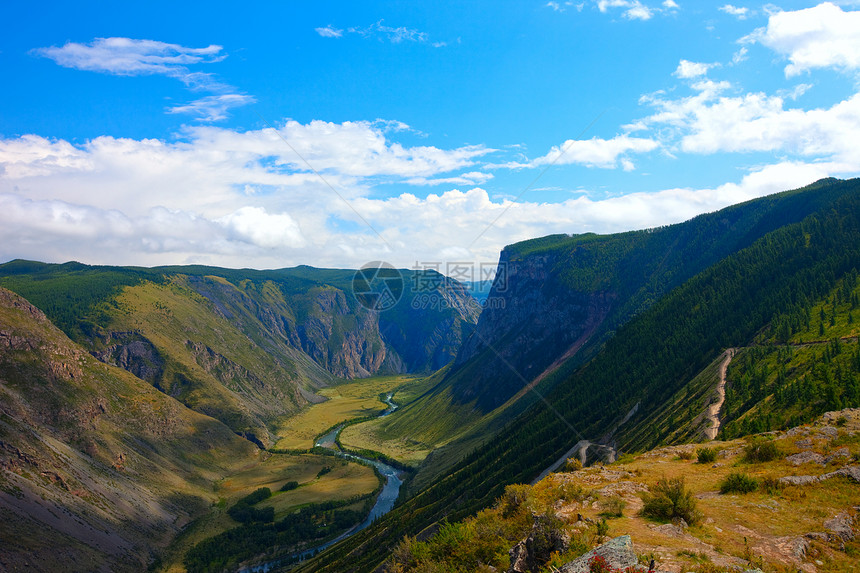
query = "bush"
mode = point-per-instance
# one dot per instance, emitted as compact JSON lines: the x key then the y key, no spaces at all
{"x":289,"y":486}
{"x":572,"y":465}
{"x":670,"y":500}
{"x":761,"y":450}
{"x":614,"y":507}
{"x":685,"y":455}
{"x":706,"y":455}
{"x":771,"y":485}
{"x":737,"y":482}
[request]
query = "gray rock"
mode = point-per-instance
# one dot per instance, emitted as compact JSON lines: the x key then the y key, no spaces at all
{"x":828,"y":432}
{"x":841,"y":527}
{"x":805,"y":458}
{"x":840,"y":453}
{"x":798,"y":480}
{"x":618,"y":553}
{"x":852,"y":472}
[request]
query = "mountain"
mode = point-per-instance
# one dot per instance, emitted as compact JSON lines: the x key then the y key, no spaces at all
{"x":805,"y":244}
{"x":246,"y":347}
{"x":560,"y":297}
{"x":99,"y":469}
{"x":554,"y":303}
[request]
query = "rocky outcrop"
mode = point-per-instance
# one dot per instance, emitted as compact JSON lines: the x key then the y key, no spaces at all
{"x":616,"y":553}
{"x":533,"y":552}
{"x":133,"y":352}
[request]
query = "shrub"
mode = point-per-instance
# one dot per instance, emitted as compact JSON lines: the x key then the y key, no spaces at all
{"x":706,"y":455}
{"x":670,"y":500}
{"x":324,"y":471}
{"x":737,"y":482}
{"x":685,"y":455}
{"x":761,"y":450}
{"x":516,"y":496}
{"x":771,"y":485}
{"x":290,"y":485}
{"x":572,"y":465}
{"x":614,"y":507}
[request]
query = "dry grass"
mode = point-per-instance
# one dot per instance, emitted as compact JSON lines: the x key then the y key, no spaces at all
{"x":736,"y":528}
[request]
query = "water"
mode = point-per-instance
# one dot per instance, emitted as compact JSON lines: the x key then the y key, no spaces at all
{"x":384,"y":503}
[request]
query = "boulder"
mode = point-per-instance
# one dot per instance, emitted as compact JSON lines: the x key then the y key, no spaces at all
{"x":618,"y":553}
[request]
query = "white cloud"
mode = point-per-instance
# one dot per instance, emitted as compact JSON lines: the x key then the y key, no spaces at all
{"x":709,"y":122}
{"x":393,"y":35}
{"x":824,"y":36}
{"x":471,"y":178}
{"x":595,"y":152}
{"x":687,"y":69}
{"x":633,"y":9}
{"x":213,"y":107}
{"x":132,"y":57}
{"x":670,"y":5}
{"x":256,"y":226}
{"x":329,"y":32}
{"x":740,"y":13}
{"x":431,"y":229}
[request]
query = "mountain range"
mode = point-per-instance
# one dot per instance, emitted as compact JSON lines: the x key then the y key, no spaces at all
{"x":118,"y":379}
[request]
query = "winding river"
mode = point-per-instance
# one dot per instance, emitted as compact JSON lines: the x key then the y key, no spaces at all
{"x":383,"y":504}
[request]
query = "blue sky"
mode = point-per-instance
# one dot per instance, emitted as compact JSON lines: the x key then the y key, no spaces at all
{"x":334,"y":133}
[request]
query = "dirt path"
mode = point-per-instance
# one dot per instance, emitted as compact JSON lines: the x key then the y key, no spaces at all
{"x":714,"y":409}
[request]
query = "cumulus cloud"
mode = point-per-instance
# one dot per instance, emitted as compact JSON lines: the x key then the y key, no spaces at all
{"x":596,"y":152}
{"x":434,"y":228}
{"x":824,"y":36}
{"x":740,"y":13}
{"x":710,"y":122}
{"x":133,"y":57}
{"x":687,"y":69}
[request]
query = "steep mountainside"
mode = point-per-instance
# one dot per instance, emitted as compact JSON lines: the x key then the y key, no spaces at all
{"x":247,"y":347}
{"x":643,"y":366}
{"x":562,"y":296}
{"x":99,"y":468}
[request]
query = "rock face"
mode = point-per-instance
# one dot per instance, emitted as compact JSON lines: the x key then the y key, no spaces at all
{"x":532,"y":553}
{"x":618,"y":554}
{"x":530,"y":320}
{"x":133,"y":352}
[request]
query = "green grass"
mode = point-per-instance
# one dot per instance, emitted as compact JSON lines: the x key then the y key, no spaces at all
{"x":345,"y":401}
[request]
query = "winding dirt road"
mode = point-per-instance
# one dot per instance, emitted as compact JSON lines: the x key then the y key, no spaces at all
{"x":714,"y":409}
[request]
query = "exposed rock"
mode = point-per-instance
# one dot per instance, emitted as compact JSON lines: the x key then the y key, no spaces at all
{"x":804,"y":443}
{"x":840,"y":453}
{"x":133,"y":352}
{"x":530,"y":554}
{"x":841,"y":527}
{"x":828,"y":432}
{"x":618,"y":553}
{"x":805,"y":458}
{"x":852,"y":472}
{"x":799,"y":480}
